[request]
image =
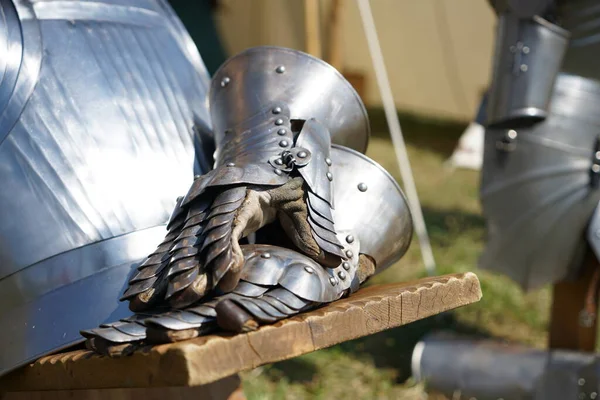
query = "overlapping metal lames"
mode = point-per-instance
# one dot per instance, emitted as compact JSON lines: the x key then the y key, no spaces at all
{"x":372,"y":221}
{"x":277,"y":283}
{"x":271,"y":126}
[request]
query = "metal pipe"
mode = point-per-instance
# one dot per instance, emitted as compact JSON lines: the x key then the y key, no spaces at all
{"x":464,"y":368}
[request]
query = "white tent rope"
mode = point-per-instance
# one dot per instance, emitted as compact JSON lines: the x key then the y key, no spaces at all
{"x":396,"y":134}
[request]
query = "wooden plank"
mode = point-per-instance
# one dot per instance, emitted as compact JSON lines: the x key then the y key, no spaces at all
{"x":207,"y":359}
{"x":569,"y":299}
{"x":225,"y":389}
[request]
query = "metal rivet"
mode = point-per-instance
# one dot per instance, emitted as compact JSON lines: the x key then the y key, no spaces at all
{"x":280,"y":69}
{"x":346,"y":265}
{"x":281,"y":132}
{"x":328,"y":161}
{"x":284,"y":143}
{"x":225,"y":81}
{"x":525,"y":50}
{"x":196,"y":176}
{"x":302,"y":154}
{"x":362,"y":187}
{"x":581,"y":381}
{"x":277,"y":171}
{"x":279,"y":121}
{"x":231,"y":164}
{"x":332,"y":281}
{"x":596,"y":168}
{"x":593,"y":395}
{"x":524,"y":67}
{"x":309,"y":270}
{"x":277,"y":110}
{"x":266,"y":255}
{"x":342,"y":275}
{"x":329,"y":176}
{"x":349,"y":238}
{"x":512,"y":134}
{"x":349,"y":253}
{"x":598,"y":154}
{"x":278,"y":161}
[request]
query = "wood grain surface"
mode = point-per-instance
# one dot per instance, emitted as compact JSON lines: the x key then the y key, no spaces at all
{"x":204,"y":360}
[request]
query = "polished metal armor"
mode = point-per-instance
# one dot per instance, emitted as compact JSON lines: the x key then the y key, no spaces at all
{"x":372,"y":219}
{"x":540,"y":174}
{"x":248,"y":83}
{"x":271,"y":124}
{"x":102,"y":105}
{"x":527,"y":59}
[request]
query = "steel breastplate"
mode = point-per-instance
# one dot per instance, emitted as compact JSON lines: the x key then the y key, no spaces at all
{"x":540,"y":187}
{"x":101,"y":107}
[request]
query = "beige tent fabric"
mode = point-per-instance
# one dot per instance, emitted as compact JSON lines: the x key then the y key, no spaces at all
{"x":438,"y":52}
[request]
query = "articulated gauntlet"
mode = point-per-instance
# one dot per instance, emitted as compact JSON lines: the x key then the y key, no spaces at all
{"x":325,"y":217}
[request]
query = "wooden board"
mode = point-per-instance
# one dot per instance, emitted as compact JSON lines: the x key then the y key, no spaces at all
{"x":225,"y":389}
{"x":207,"y":359}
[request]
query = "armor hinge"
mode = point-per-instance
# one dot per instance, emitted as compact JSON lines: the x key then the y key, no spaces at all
{"x":288,"y":159}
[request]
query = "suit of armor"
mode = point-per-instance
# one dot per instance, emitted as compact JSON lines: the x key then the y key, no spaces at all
{"x":542,"y":156}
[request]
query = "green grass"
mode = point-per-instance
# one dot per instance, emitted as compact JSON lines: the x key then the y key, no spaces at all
{"x":378,"y":366}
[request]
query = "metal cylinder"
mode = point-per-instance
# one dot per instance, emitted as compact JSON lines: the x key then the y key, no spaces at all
{"x":464,"y":368}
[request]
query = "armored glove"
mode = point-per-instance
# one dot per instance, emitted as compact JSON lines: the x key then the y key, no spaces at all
{"x":265,"y":171}
{"x":276,"y":283}
{"x":373,"y":221}
{"x":274,"y":113}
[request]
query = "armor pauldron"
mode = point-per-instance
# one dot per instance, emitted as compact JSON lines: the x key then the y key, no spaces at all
{"x":528,"y":56}
{"x":539,"y":191}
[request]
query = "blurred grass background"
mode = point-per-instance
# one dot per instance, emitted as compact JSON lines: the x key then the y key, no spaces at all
{"x":378,"y":366}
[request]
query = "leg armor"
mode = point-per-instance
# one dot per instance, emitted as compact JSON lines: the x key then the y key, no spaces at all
{"x":540,"y":186}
